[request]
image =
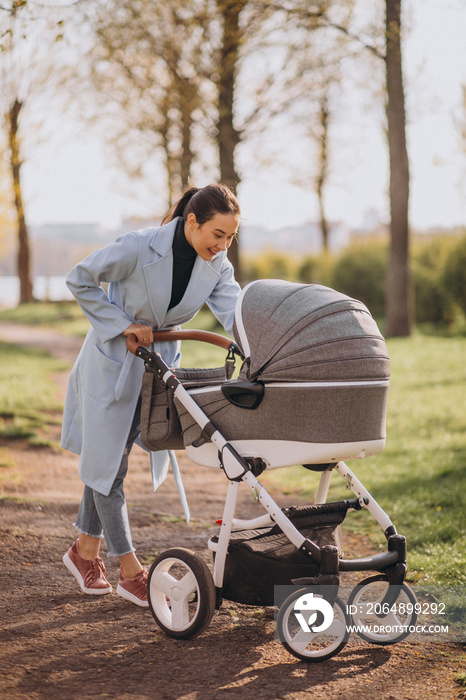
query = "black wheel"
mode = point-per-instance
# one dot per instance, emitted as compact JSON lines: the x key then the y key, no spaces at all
{"x":373,"y":621}
{"x":309,"y":628}
{"x":181,"y":593}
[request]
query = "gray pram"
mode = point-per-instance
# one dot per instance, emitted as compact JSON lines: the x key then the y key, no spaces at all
{"x":312,"y":390}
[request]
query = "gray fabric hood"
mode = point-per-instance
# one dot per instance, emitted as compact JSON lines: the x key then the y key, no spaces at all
{"x":297,"y":332}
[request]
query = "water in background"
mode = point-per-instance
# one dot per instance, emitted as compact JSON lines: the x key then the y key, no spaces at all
{"x":45,"y":288}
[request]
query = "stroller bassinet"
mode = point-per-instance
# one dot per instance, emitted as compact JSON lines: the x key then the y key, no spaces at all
{"x":313,"y":387}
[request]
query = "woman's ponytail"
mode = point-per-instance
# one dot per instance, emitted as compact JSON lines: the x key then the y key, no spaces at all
{"x":209,"y":201}
{"x":178,"y":208}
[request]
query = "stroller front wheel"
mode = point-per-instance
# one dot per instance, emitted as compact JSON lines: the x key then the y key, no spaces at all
{"x":181,"y":593}
{"x":377,"y":622}
{"x":316,"y":637}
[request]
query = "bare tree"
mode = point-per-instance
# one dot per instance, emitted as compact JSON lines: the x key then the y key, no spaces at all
{"x":145,"y":69}
{"x":13,"y":67}
{"x":324,"y":114}
{"x":398,"y":294}
{"x":398,"y":291}
{"x":247,"y":30}
{"x":171,"y":69}
{"x":12,"y":118}
{"x":315,"y":108}
{"x":6,"y":204}
{"x":25,"y":71}
{"x":228,"y":65}
{"x":462,"y":121}
{"x":459,"y":121}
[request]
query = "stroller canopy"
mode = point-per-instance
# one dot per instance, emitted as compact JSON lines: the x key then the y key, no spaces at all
{"x":298,"y":332}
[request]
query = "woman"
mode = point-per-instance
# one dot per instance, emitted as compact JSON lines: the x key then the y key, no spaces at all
{"x":158,"y":278}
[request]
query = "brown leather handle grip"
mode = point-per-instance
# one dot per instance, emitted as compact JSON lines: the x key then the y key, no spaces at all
{"x":132,"y":342}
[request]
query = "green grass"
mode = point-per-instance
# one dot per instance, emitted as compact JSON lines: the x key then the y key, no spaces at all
{"x":65,"y":316}
{"x":27,"y":393}
{"x":420,"y":478}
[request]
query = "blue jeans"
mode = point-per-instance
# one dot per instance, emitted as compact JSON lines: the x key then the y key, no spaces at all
{"x":107,"y":516}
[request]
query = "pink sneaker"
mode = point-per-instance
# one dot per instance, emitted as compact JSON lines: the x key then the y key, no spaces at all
{"x":134,"y":589}
{"x":90,"y":573}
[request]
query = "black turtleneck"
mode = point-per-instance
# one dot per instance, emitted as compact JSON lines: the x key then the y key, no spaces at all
{"x":184,"y":257}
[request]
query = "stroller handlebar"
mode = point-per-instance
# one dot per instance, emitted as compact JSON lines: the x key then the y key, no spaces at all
{"x":186,"y":334}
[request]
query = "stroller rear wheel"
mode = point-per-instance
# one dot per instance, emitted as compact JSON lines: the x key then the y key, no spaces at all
{"x":315,"y":637}
{"x":181,"y":593}
{"x":378,"y":622}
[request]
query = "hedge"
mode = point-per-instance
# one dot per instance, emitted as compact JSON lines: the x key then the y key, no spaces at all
{"x":438,"y":268}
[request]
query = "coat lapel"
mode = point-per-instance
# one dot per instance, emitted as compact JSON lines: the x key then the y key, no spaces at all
{"x":158,"y":276}
{"x":158,"y":273}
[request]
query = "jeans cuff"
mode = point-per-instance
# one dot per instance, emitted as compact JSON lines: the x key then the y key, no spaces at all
{"x":112,"y":554}
{"x":89,"y":534}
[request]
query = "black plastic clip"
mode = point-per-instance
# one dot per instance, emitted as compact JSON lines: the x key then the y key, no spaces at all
{"x":230,"y":362}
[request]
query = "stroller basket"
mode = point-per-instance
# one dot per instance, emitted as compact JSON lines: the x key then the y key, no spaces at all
{"x":260,"y":559}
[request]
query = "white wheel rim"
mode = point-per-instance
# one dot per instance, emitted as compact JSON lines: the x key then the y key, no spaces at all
{"x":366,"y":618}
{"x":300,"y":640}
{"x":170,"y":595}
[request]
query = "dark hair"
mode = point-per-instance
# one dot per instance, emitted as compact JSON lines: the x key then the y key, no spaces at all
{"x":204,"y":203}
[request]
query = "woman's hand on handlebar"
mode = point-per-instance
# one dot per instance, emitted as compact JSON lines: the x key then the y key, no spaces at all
{"x":143,"y":333}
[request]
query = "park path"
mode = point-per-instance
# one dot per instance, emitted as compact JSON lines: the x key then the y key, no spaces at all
{"x":58,"y":643}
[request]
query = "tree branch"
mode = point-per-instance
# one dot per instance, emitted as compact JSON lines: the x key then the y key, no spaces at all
{"x":373,"y":49}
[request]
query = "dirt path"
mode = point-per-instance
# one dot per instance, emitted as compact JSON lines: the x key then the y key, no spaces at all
{"x":58,"y":643}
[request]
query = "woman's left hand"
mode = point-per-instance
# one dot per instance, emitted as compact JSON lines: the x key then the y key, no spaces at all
{"x":142,"y":333}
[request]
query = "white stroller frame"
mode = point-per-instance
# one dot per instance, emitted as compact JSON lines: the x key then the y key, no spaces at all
{"x":170,"y":598}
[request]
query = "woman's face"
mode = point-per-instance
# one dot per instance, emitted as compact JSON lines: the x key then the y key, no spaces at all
{"x":215,"y":235}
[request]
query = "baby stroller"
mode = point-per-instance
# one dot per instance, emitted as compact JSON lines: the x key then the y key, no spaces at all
{"x":312,"y":391}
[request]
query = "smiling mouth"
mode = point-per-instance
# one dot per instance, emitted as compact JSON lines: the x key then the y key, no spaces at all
{"x":212,"y":252}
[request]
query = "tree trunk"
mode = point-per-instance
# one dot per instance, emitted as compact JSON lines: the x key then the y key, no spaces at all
{"x":324,"y":115}
{"x":228,"y":137}
{"x":169,"y":161}
{"x":23,"y":264}
{"x":186,"y":100}
{"x":398,"y":290}
{"x":323,"y":219}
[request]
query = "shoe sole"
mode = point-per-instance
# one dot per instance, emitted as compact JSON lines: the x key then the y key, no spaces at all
{"x":76,"y":573}
{"x":131,"y":597}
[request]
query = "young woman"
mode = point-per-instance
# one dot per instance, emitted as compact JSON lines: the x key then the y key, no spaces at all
{"x":158,"y":278}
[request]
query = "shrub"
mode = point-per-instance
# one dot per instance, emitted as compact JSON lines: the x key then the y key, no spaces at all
{"x":271,"y":264}
{"x":432,"y":303}
{"x":360,"y":273}
{"x":308,"y":271}
{"x":316,"y":269}
{"x":453,"y":276}
{"x":438,"y":268}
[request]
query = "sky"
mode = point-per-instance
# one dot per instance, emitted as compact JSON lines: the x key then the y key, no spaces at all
{"x":69,"y":178}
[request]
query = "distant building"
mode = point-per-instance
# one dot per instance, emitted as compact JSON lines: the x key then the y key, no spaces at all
{"x":56,"y":248}
{"x":90,"y":233}
{"x":301,"y":239}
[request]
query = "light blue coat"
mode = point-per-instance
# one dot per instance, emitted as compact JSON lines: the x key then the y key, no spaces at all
{"x":106,"y":379}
